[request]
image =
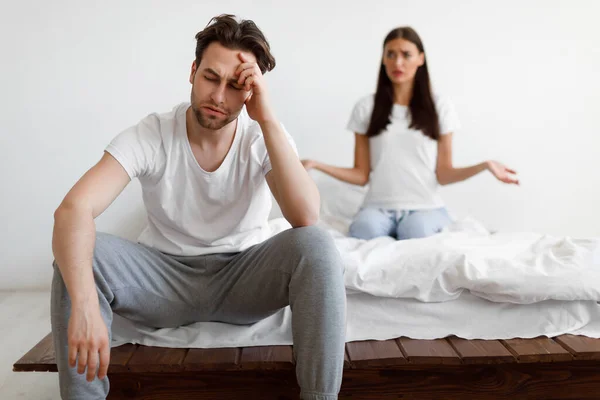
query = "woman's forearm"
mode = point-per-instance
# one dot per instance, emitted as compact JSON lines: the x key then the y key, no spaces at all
{"x":355,"y":176}
{"x":448,"y":175}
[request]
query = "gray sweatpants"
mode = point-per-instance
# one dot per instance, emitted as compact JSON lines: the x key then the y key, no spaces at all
{"x":299,"y":267}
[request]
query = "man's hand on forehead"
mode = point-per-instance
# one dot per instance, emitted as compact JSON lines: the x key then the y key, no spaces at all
{"x":248,"y":73}
{"x":250,"y":76}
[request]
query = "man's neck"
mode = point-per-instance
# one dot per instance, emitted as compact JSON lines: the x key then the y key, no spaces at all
{"x":208,"y":138}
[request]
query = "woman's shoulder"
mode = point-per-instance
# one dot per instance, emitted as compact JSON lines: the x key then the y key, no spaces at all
{"x":366,"y":100}
{"x":361,"y":114}
{"x":441,"y":100}
{"x":449,"y":121}
{"x":364,"y":105}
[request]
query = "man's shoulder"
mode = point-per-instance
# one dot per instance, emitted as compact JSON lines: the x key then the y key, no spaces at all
{"x":158,"y":124}
{"x":167,"y":117}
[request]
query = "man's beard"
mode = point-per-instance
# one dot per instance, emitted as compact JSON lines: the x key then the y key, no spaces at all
{"x":209,"y":122}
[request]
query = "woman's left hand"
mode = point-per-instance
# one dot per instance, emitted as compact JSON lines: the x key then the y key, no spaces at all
{"x":502,"y":172}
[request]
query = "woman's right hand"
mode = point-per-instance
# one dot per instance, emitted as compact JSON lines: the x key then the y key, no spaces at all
{"x":88,"y":341}
{"x":309,"y":164}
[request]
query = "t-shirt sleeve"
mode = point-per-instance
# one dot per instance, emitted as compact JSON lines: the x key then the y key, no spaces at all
{"x":135,"y":148}
{"x":361,"y":116}
{"x":449,"y":122}
{"x":266,"y":165}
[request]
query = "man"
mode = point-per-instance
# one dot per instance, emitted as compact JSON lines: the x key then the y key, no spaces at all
{"x":206,"y":169}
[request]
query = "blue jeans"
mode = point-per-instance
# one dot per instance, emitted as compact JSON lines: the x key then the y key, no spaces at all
{"x":370,"y":223}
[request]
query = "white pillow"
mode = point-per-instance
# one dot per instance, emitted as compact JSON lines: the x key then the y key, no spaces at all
{"x":338,"y":199}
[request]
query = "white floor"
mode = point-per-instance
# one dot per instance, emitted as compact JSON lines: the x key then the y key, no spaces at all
{"x":24,"y":320}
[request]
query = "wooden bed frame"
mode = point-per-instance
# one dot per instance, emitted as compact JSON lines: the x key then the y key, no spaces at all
{"x":564,"y":367}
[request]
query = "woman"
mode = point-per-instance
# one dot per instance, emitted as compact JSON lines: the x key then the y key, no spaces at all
{"x":403,"y":148}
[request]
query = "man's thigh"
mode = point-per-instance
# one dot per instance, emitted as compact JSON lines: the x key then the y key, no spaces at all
{"x":259,"y":281}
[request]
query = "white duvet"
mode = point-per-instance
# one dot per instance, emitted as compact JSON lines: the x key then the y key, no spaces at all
{"x":515,"y":267}
{"x":518,"y":268}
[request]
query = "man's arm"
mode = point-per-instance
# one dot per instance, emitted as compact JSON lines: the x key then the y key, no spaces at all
{"x":73,"y":247}
{"x":292,"y":187}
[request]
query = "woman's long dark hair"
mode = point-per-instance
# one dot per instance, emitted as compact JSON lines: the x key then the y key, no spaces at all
{"x":423,"y":114}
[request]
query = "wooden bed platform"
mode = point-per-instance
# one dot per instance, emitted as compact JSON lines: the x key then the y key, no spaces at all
{"x":564,"y":367}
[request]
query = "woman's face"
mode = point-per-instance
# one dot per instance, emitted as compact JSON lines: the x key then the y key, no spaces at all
{"x":402,"y":59}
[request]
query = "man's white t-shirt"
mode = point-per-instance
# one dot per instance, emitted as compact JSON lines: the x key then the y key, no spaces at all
{"x":403,"y":160}
{"x":192,"y":211}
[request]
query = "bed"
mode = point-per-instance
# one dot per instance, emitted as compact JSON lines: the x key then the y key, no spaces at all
{"x":465,"y":314}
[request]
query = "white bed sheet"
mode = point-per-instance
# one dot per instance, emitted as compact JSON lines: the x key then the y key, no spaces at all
{"x":371,"y":317}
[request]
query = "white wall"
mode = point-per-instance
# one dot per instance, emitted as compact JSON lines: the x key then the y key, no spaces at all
{"x":523,"y":76}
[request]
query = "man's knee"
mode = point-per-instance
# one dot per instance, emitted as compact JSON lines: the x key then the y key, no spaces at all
{"x":105,"y":243}
{"x":106,"y":248}
{"x":308,"y":239}
{"x":315,"y":245}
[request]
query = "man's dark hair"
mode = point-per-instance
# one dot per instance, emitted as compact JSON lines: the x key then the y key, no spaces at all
{"x":230,"y":33}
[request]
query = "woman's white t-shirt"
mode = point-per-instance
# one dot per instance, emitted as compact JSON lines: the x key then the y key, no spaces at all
{"x":191,"y":211}
{"x":403,"y":160}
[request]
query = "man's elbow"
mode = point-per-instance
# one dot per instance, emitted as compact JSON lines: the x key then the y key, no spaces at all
{"x":306,"y":219}
{"x":70,"y":207}
{"x":64,"y":208}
